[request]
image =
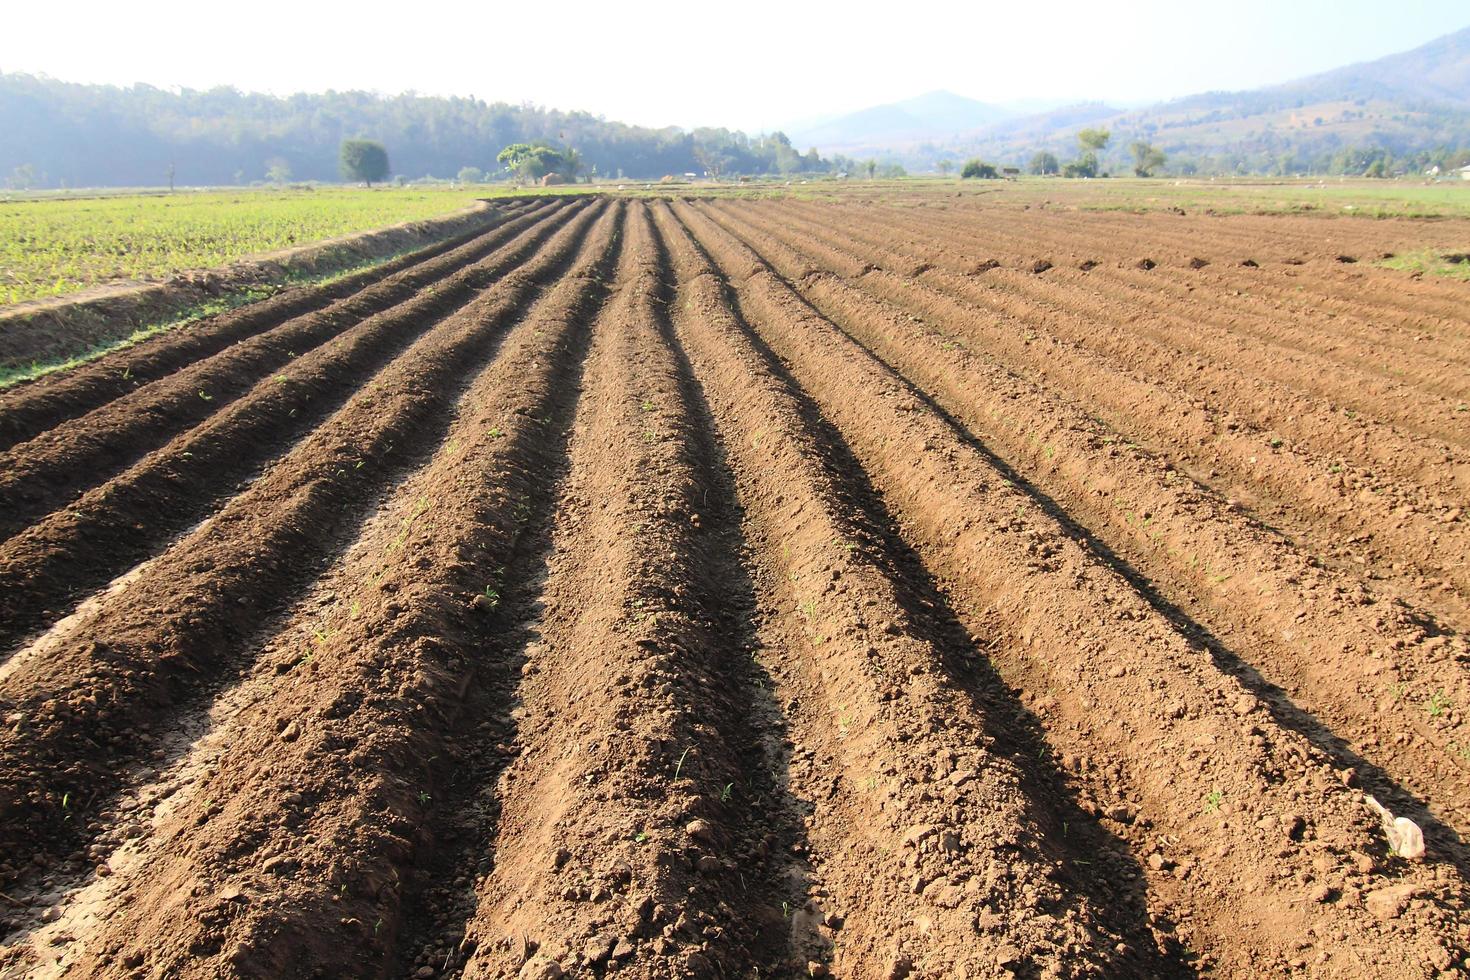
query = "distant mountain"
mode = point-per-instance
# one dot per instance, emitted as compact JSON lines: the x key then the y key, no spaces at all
{"x":932,"y":116}
{"x":1435,"y":72}
{"x":1404,"y":104}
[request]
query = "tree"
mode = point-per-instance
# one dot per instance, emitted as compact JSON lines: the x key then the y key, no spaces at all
{"x":1044,"y":164}
{"x":1146,"y":158}
{"x":945,"y":166}
{"x":977,"y":168}
{"x":277,"y":170}
{"x":23,"y":177}
{"x":871,"y":166}
{"x":1093,"y":139}
{"x":364,"y":160}
{"x":1083,"y":166}
{"x":571,"y":165}
{"x":532,"y":161}
{"x":470,"y":175}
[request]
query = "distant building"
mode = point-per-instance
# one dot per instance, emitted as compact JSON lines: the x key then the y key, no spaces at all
{"x":1464,"y":173}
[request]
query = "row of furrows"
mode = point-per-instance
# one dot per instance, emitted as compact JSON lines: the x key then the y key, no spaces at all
{"x":631,"y":832}
{"x":1313,"y":482}
{"x":47,"y":471}
{"x":75,"y":700}
{"x":29,"y":409}
{"x":1416,"y":391}
{"x":801,"y":679}
{"x":937,"y":842}
{"x":1411,"y":309}
{"x":295,"y":851}
{"x":1367,"y":667}
{"x":114,"y":525}
{"x":1241,"y":817}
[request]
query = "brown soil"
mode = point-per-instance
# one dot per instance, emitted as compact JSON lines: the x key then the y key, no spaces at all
{"x":667,"y":589}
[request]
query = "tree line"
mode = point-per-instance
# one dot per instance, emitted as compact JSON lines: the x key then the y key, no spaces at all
{"x":61,"y":134}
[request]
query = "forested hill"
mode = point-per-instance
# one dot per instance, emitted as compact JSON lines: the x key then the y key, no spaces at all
{"x":63,"y":134}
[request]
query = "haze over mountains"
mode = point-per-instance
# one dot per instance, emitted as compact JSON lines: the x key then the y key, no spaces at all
{"x":1413,"y":101}
{"x":1399,"y":112}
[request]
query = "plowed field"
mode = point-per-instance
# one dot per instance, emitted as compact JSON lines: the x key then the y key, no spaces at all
{"x":665,"y":588}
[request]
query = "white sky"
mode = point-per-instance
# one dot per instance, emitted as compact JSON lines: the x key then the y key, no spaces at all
{"x":754,"y":65}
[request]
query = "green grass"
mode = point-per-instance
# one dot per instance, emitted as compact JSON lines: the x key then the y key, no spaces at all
{"x":54,"y":245}
{"x":222,"y":304}
{"x":1432,"y":263}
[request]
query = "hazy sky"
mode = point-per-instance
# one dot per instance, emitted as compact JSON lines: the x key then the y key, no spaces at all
{"x":753,"y":64}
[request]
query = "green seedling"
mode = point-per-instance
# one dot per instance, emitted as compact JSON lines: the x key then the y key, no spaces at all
{"x":647,"y":405}
{"x":424,"y":798}
{"x":1438,"y":704}
{"x":205,"y":396}
{"x":680,"y":767}
{"x":640,"y":837}
{"x":726,"y":792}
{"x":1213,"y":801}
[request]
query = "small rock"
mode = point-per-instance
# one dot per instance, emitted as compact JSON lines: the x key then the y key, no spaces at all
{"x":598,"y":948}
{"x":1007,"y":955}
{"x":621,"y":950}
{"x":1389,"y":903}
{"x":701,"y":830}
{"x":708,"y":864}
{"x":424,"y":972}
{"x":560,"y":858}
{"x":899,"y":966}
{"x":1321,"y":894}
{"x":540,"y":967}
{"x":961,"y":776}
{"x":291,"y":732}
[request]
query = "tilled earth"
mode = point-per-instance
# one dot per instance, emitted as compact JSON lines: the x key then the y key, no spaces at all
{"x":756,"y":588}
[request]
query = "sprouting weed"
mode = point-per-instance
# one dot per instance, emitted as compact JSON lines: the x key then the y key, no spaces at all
{"x":1213,"y":801}
{"x":424,"y":798}
{"x":647,"y":405}
{"x":640,"y":837}
{"x":496,"y":433}
{"x":206,"y":396}
{"x":1438,"y":703}
{"x":785,"y":910}
{"x":726,"y":792}
{"x":680,"y":767}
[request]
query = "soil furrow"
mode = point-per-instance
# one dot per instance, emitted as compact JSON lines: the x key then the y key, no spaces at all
{"x":112,"y":527}
{"x":280,"y":857}
{"x":632,"y":836}
{"x":930,"y":850}
{"x":1248,"y":341}
{"x":1256,"y":848}
{"x":45,"y":472}
{"x":71,"y":707}
{"x":1316,"y":495}
{"x":30,"y":408}
{"x":1366,"y":667}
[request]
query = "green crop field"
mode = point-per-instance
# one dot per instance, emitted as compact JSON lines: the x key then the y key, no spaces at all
{"x":51,"y":246}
